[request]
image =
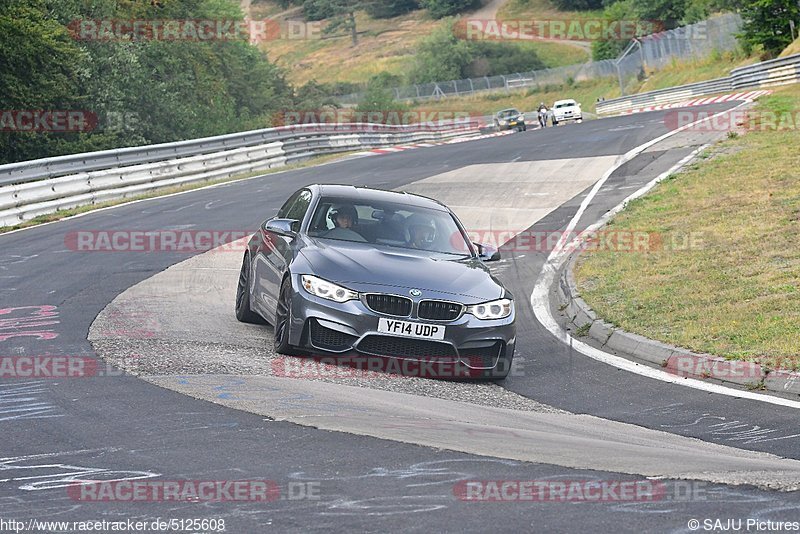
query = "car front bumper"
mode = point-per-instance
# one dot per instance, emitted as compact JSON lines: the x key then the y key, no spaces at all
{"x":351,"y":327}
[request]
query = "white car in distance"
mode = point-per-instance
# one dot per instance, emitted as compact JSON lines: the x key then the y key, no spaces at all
{"x":566,"y":110}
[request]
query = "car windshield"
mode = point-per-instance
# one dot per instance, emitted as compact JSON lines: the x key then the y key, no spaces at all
{"x":565,"y":104}
{"x":508,"y":113}
{"x":388,"y":224}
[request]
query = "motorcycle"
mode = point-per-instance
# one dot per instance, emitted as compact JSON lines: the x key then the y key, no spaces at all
{"x":543,"y":118}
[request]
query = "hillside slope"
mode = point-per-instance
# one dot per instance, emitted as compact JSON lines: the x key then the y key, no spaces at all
{"x":385,"y":45}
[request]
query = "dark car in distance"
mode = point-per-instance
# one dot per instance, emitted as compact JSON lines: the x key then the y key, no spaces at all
{"x":508,"y":119}
{"x":353,"y":270}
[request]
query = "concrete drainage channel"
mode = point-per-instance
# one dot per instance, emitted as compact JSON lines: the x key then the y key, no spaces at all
{"x":188,"y":340}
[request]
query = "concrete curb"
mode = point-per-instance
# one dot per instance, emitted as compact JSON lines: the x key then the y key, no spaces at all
{"x":676,"y":360}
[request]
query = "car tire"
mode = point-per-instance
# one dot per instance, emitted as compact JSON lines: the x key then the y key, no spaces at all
{"x":243,"y":311}
{"x":283,"y":318}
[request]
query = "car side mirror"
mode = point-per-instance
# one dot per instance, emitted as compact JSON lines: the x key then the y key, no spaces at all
{"x":487,"y":252}
{"x":287,"y":227}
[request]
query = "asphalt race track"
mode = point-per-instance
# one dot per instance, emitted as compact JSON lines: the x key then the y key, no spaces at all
{"x":119,"y":427}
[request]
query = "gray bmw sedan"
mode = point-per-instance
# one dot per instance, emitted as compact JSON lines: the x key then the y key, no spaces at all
{"x":344,"y":270}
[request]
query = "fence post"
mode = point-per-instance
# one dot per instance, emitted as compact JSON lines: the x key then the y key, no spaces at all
{"x":641,"y":54}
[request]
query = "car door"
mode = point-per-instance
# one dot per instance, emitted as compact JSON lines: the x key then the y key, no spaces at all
{"x":275,"y":253}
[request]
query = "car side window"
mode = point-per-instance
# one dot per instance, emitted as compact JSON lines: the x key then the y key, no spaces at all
{"x":300,"y":206}
{"x":287,"y":205}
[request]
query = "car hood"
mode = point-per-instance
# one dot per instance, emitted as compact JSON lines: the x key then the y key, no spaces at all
{"x":363,"y":266}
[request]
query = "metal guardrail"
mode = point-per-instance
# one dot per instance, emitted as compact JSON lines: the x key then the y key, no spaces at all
{"x":663,"y":96}
{"x":765,"y":74}
{"x":32,"y":188}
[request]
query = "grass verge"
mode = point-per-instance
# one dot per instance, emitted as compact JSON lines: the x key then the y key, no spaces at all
{"x":63,"y":214}
{"x":734,"y":291}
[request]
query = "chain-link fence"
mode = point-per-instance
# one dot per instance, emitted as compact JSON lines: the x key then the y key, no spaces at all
{"x":658,"y":50}
{"x":650,"y":52}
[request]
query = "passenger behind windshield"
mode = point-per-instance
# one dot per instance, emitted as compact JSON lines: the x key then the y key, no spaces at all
{"x":344,"y":218}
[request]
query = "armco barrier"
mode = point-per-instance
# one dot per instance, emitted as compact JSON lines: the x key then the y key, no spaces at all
{"x":32,"y":188}
{"x":663,"y":96}
{"x":765,"y":74}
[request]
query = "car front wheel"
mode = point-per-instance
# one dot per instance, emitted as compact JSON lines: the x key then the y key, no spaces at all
{"x":243,"y":311}
{"x":283,"y":319}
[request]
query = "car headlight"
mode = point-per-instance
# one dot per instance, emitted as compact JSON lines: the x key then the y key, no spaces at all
{"x":327,"y":290}
{"x":496,"y":309}
{"x":521,"y":118}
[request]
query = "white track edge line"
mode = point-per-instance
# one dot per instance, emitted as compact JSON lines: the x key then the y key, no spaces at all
{"x":540,"y":295}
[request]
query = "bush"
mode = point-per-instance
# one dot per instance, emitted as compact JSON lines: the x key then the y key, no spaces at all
{"x":317,"y":9}
{"x":578,"y":5}
{"x":379,"y":98}
{"x":445,"y":8}
{"x":492,"y":58}
{"x":384,"y":9}
{"x":442,"y":57}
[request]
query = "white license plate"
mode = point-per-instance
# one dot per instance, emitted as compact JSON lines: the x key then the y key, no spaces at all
{"x":406,"y":328}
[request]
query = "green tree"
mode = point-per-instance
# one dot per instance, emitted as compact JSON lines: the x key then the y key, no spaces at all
{"x":767,"y":23}
{"x":578,"y":5}
{"x":384,"y":9}
{"x":621,"y":10}
{"x":491,"y":58}
{"x":446,"y":8}
{"x":441,"y":56}
{"x":155,"y":90}
{"x":42,"y":67}
{"x":340,"y":13}
{"x":379,"y":98}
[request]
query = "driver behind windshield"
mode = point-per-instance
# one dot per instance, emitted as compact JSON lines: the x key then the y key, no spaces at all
{"x":421,"y":232}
